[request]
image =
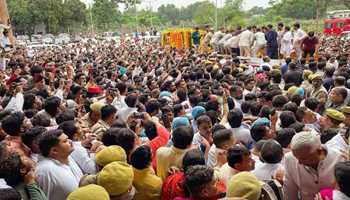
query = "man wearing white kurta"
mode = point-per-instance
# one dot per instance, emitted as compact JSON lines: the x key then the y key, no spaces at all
{"x":298,"y":37}
{"x":245,"y":42}
{"x":223,"y":40}
{"x":259,"y":43}
{"x":287,"y":43}
{"x":216,"y":38}
{"x":232,"y":44}
{"x":57,"y":173}
{"x":309,"y":167}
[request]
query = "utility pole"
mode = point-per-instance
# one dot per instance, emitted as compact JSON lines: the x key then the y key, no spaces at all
{"x":5,"y":19}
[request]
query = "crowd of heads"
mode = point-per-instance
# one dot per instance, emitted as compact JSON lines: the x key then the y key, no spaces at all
{"x":165,"y":123}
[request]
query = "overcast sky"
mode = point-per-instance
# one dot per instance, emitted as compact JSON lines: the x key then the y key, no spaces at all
{"x":180,"y":3}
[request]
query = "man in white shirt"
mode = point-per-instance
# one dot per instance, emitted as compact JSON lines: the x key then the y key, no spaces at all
{"x":57,"y":173}
{"x":280,"y":33}
{"x":239,"y":159}
{"x":332,"y":62}
{"x":309,"y":167}
{"x":216,"y":37}
{"x":119,"y":100}
{"x":223,"y":140}
{"x":131,"y":101}
{"x":223,"y":40}
{"x":239,"y":130}
{"x":80,"y":154}
{"x":245,"y":42}
{"x":203,"y":138}
{"x":271,"y":155}
{"x":259,"y":43}
{"x":299,"y":35}
{"x":16,"y":101}
{"x":286,"y":43}
{"x":232,"y":44}
{"x":340,"y":141}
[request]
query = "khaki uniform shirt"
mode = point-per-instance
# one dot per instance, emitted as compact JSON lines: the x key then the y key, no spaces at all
{"x":100,"y":128}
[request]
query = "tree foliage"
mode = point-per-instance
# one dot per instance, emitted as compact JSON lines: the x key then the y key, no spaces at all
{"x":169,"y":13}
{"x":105,"y":15}
{"x":57,"y":16}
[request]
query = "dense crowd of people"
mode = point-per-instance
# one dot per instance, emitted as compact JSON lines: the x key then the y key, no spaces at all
{"x":140,"y":121}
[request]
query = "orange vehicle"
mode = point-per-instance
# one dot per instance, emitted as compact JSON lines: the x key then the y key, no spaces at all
{"x":335,"y":26}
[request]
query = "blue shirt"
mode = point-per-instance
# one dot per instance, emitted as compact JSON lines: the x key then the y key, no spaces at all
{"x":195,"y":37}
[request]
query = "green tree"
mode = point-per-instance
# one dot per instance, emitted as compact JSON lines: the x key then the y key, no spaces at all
{"x":74,"y":14}
{"x":105,"y":14}
{"x":20,"y":15}
{"x":148,"y":18}
{"x":257,"y":10}
{"x":297,"y":9}
{"x":169,"y":13}
{"x":231,"y":14}
{"x":127,"y":3}
{"x":57,"y":16}
{"x":204,"y":13}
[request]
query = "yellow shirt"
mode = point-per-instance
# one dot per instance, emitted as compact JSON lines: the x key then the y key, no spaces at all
{"x":167,"y":157}
{"x":148,"y":185}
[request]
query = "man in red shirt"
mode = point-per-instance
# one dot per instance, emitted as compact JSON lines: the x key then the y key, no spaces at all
{"x":309,"y":45}
{"x":157,"y":134}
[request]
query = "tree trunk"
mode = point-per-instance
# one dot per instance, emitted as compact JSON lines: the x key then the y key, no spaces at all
{"x":4,"y":19}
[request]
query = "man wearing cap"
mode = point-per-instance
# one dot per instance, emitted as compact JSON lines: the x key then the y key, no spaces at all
{"x":330,"y":124}
{"x":94,"y":91}
{"x":341,"y":140}
{"x":309,"y":167}
{"x":306,"y":84}
{"x":346,"y":111}
{"x":91,"y":118}
{"x":318,"y":91}
{"x":117,"y":178}
{"x":244,"y":185}
{"x":89,"y":192}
